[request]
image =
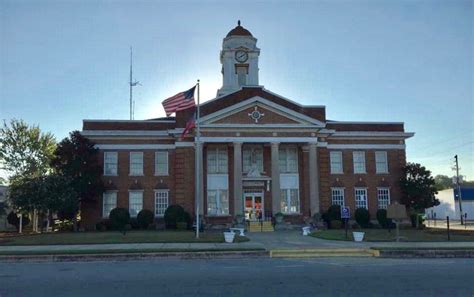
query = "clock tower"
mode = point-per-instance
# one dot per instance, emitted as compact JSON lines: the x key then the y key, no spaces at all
{"x":239,"y":59}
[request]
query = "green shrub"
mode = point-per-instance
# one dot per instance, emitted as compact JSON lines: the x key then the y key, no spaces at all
{"x":382,"y":218}
{"x":103,"y":225}
{"x":185,"y":219}
{"x":145,"y":218}
{"x":332,"y":214}
{"x":119,"y":218}
{"x":134,"y":224}
{"x":172,"y":214}
{"x":335,"y":224}
{"x":362,"y":217}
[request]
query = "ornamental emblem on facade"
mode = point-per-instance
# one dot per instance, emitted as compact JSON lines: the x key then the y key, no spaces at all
{"x":256,"y":114}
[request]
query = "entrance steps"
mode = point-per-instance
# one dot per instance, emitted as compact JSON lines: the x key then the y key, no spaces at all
{"x":265,"y":226}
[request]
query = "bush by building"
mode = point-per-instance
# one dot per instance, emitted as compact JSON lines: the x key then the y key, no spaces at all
{"x":173,"y":214}
{"x":119,"y":218}
{"x":362,"y":217}
{"x":145,"y":218}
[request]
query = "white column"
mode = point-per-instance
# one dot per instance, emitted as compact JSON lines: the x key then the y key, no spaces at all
{"x":238,"y":203}
{"x":276,"y":207}
{"x":313,"y":179}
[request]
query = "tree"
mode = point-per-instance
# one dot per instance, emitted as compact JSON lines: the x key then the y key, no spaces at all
{"x":24,"y":150}
{"x":418,"y":187}
{"x":443,"y":182}
{"x":76,"y":158}
{"x":51,"y":193}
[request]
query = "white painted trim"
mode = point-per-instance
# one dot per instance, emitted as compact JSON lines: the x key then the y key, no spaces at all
{"x":266,"y":104}
{"x":362,"y":122}
{"x":367,"y":146}
{"x":130,"y":164}
{"x":184,"y":144}
{"x":123,"y":133}
{"x":135,"y":146}
{"x":372,"y":134}
{"x":260,"y":139}
{"x":322,"y":144}
{"x":130,"y":121}
{"x":246,"y":126}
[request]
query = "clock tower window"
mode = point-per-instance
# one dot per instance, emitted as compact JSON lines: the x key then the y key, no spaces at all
{"x":242,"y":73}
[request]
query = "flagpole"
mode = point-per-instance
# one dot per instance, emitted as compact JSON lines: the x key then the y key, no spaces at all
{"x":198,"y":163}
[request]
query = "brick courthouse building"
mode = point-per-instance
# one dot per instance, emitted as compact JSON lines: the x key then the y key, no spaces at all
{"x":262,"y":154}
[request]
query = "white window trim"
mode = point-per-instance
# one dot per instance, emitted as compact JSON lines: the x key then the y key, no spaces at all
{"x":287,"y":149}
{"x":389,"y":198}
{"x":343,"y":195}
{"x":353,"y":162}
{"x":116,"y":163}
{"x":167,"y":191}
{"x":167,"y":163}
{"x":103,"y":203}
{"x":143,"y":198}
{"x":366,"y":197}
{"x":342,"y":162}
{"x":386,"y":162}
{"x":250,"y":147}
{"x":130,"y":164}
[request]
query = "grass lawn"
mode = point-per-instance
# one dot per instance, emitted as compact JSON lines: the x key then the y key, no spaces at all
{"x":115,"y":237}
{"x":405,"y":235}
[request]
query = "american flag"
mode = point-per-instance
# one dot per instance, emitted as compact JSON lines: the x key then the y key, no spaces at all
{"x":190,"y":124}
{"x":180,"y":101}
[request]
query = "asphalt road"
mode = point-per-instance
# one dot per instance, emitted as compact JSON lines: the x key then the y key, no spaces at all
{"x":242,"y":277}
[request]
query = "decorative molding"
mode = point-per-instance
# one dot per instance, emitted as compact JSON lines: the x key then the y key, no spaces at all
{"x":137,"y":133}
{"x":271,"y":106}
{"x":130,"y":121}
{"x":135,"y":146}
{"x":184,"y":144}
{"x":376,"y":134}
{"x":367,"y":146}
{"x":259,"y":139}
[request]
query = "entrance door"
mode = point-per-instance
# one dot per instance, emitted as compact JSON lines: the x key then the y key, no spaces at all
{"x":253,"y":206}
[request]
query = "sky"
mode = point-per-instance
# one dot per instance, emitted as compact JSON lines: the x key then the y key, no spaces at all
{"x":398,"y":61}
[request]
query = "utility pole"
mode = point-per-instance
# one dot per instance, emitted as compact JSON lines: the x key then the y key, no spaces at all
{"x":132,"y":84}
{"x":458,"y":186}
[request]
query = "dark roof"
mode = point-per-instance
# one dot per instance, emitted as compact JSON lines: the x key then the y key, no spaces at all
{"x":467,"y":194}
{"x":162,"y":119}
{"x":239,"y":31}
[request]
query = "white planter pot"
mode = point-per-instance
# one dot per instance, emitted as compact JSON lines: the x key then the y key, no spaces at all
{"x":358,"y":236}
{"x":306,"y":231}
{"x":229,"y":237}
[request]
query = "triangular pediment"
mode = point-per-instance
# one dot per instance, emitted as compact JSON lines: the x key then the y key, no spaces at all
{"x":258,"y":111}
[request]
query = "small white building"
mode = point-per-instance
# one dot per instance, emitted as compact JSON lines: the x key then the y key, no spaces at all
{"x":449,"y":204}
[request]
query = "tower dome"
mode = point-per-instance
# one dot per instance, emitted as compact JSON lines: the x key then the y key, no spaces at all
{"x":239,"y":31}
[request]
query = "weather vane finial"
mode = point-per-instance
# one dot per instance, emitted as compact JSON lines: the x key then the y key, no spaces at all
{"x":238,"y":23}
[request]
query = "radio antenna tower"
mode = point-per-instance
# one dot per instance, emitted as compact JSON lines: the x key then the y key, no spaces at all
{"x":132,"y":84}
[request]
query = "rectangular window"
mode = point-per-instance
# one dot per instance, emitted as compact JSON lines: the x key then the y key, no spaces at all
{"x":161,"y":202}
{"x":381,"y":165}
{"x":252,"y":157}
{"x":361,"y":198}
{"x":161,"y":163}
{"x":110,"y":163}
{"x":383,"y":197}
{"x":336,"y":162}
{"x":288,"y":160}
{"x":337,"y":195}
{"x":136,"y":163}
{"x":109,"y":202}
{"x":217,"y":194}
{"x":290,"y":201}
{"x":135,"y":202}
{"x":216,"y":160}
{"x":217,"y":202}
{"x":359,"y":162}
{"x":289,"y":193}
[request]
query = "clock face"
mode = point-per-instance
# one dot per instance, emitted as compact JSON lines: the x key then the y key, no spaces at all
{"x":241,"y":56}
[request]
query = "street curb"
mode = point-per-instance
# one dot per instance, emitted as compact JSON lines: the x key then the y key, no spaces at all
{"x":322,"y":252}
{"x":426,"y":253}
{"x":134,"y":256}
